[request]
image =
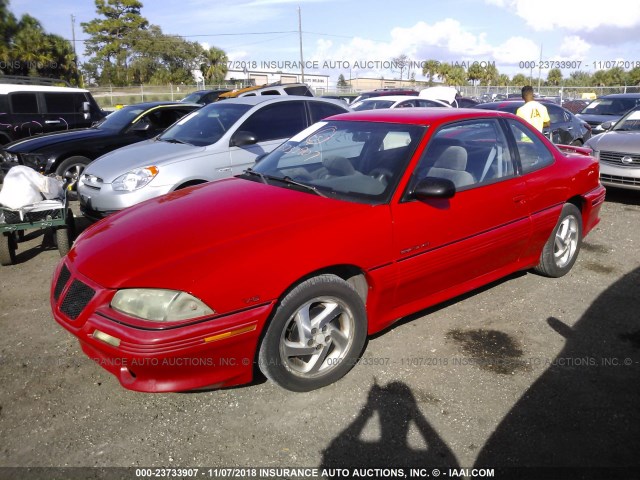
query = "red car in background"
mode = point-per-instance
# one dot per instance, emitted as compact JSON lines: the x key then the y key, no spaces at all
{"x":354,"y":223}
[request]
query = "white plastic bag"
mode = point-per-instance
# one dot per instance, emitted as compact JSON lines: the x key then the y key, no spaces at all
{"x":24,"y":186}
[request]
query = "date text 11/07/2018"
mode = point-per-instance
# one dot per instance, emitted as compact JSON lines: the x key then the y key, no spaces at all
{"x":577,"y":64}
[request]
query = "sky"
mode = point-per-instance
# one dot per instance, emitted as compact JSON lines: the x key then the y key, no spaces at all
{"x":358,"y":38}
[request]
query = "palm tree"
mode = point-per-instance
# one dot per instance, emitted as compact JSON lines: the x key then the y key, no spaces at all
{"x":214,"y":68}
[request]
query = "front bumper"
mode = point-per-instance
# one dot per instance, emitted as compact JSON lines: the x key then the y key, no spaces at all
{"x":214,"y":353}
{"x":620,"y":177}
{"x":98,"y":202}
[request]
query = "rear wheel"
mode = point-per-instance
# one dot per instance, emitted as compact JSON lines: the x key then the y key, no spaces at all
{"x":8,"y":247}
{"x":561,"y":250}
{"x":316,"y":335}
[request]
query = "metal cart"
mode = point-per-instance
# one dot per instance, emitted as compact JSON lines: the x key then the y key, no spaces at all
{"x":47,"y":214}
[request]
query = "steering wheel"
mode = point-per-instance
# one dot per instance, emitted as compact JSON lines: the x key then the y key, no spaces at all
{"x":383,"y":175}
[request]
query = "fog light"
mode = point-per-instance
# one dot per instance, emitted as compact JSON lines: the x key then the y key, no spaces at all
{"x":106,"y":338}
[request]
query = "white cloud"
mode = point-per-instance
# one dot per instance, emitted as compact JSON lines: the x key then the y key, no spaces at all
{"x":574,"y":15}
{"x":516,"y":50}
{"x":573,"y":48}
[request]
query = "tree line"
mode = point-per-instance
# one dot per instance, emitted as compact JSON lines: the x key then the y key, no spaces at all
{"x":122,"y":47}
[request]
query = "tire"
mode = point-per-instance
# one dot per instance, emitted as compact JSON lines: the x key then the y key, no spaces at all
{"x":301,"y":355}
{"x":71,"y":168}
{"x":64,"y":235}
{"x":561,"y":250}
{"x":7,"y":249}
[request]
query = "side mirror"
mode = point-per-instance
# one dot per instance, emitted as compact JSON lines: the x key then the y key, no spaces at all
{"x":242,"y":138}
{"x":433,"y":187}
{"x":607,"y":125}
{"x":140,"y":127}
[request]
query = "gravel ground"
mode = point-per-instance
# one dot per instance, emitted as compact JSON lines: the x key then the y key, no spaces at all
{"x":527,"y":372}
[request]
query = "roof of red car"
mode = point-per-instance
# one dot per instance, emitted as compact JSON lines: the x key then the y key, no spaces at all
{"x":418,"y":116}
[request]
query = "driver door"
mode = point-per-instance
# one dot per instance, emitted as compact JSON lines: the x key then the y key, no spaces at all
{"x":443,"y":245}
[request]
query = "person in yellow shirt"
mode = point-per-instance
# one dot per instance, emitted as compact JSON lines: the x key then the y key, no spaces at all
{"x":533,"y":112}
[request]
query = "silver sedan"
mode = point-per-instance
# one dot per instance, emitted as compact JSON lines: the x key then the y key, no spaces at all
{"x":618,"y":150}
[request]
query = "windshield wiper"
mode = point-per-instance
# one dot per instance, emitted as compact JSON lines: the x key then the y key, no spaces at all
{"x":173,"y":140}
{"x":263,"y":178}
{"x":290,"y":181}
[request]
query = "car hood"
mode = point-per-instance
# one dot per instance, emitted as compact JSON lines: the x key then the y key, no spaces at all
{"x":33,"y":144}
{"x":623,"y":142}
{"x":598,"y":119}
{"x":142,"y":154}
{"x":200,"y":235}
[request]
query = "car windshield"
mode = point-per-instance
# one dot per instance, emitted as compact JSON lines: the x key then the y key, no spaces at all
{"x":610,"y":106}
{"x":120,"y":118}
{"x":205,"y":126}
{"x":373,"y":104}
{"x":357,"y":161}
{"x":193,"y":97}
{"x":629,"y":123}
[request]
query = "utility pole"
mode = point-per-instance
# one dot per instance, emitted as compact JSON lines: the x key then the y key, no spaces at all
{"x":539,"y":69}
{"x":73,"y":43}
{"x":300,"y":36}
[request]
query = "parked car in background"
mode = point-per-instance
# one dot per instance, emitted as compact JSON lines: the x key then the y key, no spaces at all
{"x":565,"y":127}
{"x":346,"y":97}
{"x":333,"y":236}
{"x":396,"y":101}
{"x":27,"y":110}
{"x":608,"y":108}
{"x":68,"y":153}
{"x":465,"y":102}
{"x":300,"y":89}
{"x":384,"y":92}
{"x":575,"y":105}
{"x":217,"y":141}
{"x":618,"y":150}
{"x":203,"y":97}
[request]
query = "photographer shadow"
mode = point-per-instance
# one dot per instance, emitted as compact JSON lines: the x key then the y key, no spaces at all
{"x":404,"y":437}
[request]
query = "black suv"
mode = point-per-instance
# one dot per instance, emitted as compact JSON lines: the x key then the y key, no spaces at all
{"x":27,"y":110}
{"x":67,"y":153}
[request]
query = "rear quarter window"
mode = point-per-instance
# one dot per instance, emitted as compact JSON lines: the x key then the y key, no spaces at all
{"x":24,"y":103}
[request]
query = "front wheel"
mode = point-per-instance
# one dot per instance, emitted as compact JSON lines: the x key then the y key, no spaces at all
{"x":316,"y":335}
{"x":561,"y":250}
{"x":71,"y":169}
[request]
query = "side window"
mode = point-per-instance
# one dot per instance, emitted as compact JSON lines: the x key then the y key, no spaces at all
{"x":298,"y":90}
{"x":24,"y":103}
{"x":468,"y":153}
{"x":4,"y":104}
{"x":60,"y":103}
{"x":533,"y":153}
{"x":270,"y":92}
{"x":321,"y":110}
{"x":555,"y":114}
{"x":282,"y":120}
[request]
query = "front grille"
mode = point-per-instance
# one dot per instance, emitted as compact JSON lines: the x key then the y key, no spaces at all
{"x":617,"y":179}
{"x":61,"y":282}
{"x":77,"y":297}
{"x":615,"y":158}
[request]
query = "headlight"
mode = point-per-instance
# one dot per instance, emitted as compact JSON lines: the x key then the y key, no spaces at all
{"x":159,"y":305}
{"x":34,"y":160}
{"x":9,"y":157}
{"x":135,"y":179}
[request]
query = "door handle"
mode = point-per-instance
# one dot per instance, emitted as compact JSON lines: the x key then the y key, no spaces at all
{"x":50,"y":122}
{"x":520,"y":199}
{"x":569,"y":128}
{"x":227,"y":169}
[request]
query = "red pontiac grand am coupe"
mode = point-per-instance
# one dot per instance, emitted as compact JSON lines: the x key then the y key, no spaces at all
{"x":349,"y":226}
